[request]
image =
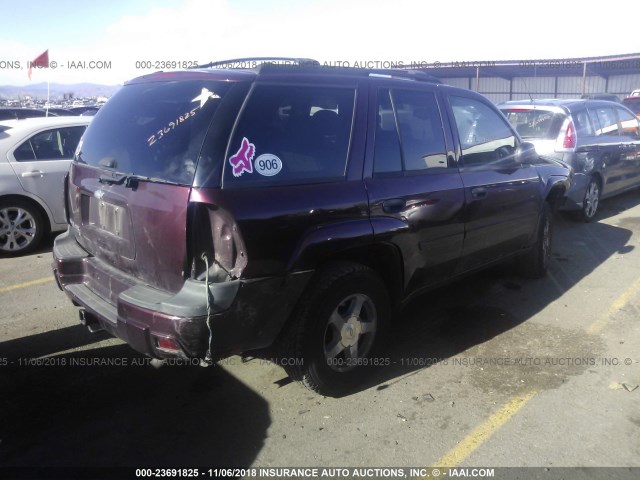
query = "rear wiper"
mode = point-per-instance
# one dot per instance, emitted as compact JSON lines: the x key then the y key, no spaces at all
{"x":130,"y":180}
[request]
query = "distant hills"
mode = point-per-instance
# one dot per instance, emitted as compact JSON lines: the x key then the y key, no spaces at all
{"x":57,"y":90}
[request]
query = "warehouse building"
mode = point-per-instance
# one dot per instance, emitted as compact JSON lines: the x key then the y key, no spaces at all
{"x":547,"y":78}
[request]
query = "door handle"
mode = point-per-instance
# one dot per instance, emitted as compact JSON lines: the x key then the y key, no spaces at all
{"x":479,"y":192}
{"x":33,"y":173}
{"x":394,"y":205}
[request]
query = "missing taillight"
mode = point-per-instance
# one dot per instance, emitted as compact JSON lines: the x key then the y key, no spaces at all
{"x":213,"y":233}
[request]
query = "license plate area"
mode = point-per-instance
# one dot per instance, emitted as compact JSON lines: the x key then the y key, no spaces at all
{"x":109,"y":217}
{"x":107,"y":226}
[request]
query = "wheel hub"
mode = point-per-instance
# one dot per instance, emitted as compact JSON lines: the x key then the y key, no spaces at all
{"x":17,"y":229}
{"x":350,"y":332}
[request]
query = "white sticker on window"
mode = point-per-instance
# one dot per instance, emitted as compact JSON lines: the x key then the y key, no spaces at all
{"x":267,"y":165}
{"x":205,"y":95}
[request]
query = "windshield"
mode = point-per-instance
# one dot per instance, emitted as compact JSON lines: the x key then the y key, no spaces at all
{"x":535,"y":124}
{"x":153,"y":129}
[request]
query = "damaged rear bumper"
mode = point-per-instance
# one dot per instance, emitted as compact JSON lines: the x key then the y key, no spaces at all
{"x":245,"y":314}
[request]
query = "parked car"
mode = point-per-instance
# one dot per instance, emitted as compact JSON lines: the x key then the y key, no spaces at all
{"x":84,"y":111}
{"x":35,"y":154}
{"x":602,"y":96}
{"x":599,"y":139}
{"x":59,"y":112}
{"x":633,"y":104}
{"x":219,"y":211}
{"x":9,"y":113}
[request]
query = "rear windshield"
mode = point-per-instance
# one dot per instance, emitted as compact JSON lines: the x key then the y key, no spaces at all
{"x":535,"y":124}
{"x":291,"y":134}
{"x":153,"y":129}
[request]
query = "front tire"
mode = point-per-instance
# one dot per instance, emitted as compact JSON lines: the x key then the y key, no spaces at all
{"x":535,"y":263}
{"x":336,"y":329}
{"x":22,"y":227}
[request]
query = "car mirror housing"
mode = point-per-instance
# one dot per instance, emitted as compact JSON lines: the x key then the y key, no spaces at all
{"x":526,"y":154}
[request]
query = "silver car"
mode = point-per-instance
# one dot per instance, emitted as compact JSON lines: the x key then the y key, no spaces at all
{"x":598,"y":138}
{"x":35,"y":154}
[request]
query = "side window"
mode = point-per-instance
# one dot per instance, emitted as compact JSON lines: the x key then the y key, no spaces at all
{"x":55,"y":144}
{"x":584,"y":128}
{"x":421,"y":133}
{"x":485,"y":136}
{"x":291,"y":134}
{"x":629,"y":123}
{"x":387,"y":155}
{"x":607,"y":123}
{"x":24,"y":152}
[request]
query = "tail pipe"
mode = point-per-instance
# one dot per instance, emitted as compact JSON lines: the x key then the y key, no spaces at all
{"x":90,"y":321}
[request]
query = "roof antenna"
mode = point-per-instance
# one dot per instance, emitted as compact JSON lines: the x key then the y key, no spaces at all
{"x":527,"y":88}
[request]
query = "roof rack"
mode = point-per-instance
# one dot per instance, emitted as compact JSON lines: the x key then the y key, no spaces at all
{"x":418,"y":75}
{"x":254,"y":61}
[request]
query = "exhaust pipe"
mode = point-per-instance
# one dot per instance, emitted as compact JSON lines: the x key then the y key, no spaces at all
{"x":90,"y":321}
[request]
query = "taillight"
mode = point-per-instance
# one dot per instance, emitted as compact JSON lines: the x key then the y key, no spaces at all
{"x":569,"y":140}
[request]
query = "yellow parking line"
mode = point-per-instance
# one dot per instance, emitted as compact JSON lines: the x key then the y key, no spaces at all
{"x":30,"y":283}
{"x":620,"y":302}
{"x":472,"y":441}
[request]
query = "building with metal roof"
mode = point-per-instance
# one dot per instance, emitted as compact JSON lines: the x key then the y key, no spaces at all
{"x":502,"y":80}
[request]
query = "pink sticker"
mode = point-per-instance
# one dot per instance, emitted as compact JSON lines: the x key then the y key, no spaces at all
{"x":241,"y":161}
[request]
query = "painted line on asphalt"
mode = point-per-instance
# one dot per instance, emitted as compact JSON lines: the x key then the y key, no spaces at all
{"x":30,"y":283}
{"x":621,"y":301}
{"x":483,"y":431}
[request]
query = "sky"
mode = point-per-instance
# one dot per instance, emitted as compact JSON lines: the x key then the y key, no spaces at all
{"x":105,"y":41}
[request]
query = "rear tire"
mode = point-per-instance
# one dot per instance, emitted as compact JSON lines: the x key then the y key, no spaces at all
{"x":22,"y":227}
{"x":336,"y":328}
{"x":535,"y":263}
{"x":591,"y":201}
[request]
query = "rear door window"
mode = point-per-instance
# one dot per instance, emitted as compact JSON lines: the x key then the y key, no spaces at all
{"x":583,"y":124}
{"x":54,"y":144}
{"x":409,"y":133}
{"x":290,"y":134}
{"x":607,"y":122}
{"x":154,"y":129}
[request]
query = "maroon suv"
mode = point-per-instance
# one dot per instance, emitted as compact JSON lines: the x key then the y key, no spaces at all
{"x":218,"y":211}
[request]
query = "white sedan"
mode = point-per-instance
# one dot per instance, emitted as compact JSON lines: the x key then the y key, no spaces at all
{"x":35,"y":154}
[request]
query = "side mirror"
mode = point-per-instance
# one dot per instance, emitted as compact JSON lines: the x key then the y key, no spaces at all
{"x":526,"y":154}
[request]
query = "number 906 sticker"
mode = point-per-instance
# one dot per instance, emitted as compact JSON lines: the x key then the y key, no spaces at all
{"x":267,"y":165}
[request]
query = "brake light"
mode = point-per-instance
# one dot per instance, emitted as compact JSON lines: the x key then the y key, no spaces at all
{"x":569,"y":140}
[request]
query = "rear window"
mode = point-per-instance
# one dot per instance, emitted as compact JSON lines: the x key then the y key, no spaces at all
{"x":291,"y":134}
{"x":153,"y":129}
{"x":535,"y":124}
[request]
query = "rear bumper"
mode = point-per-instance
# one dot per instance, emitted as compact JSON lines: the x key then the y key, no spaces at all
{"x":245,"y":314}
{"x":575,"y":194}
